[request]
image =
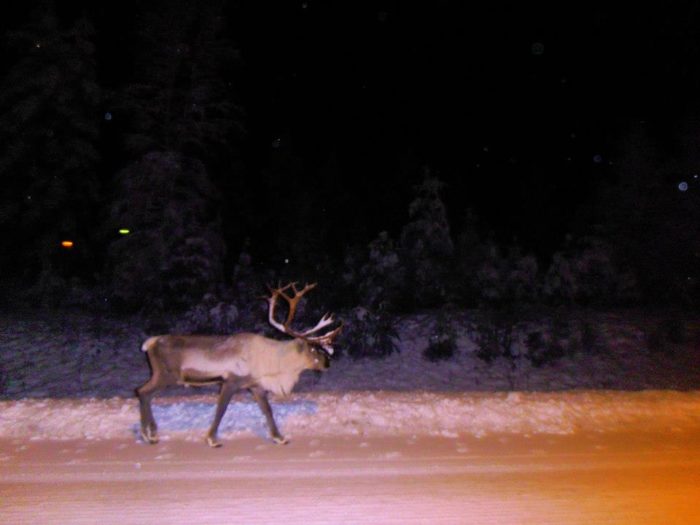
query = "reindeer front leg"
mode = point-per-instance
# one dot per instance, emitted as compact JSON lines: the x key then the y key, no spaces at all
{"x":228,"y":388}
{"x":260,"y":396}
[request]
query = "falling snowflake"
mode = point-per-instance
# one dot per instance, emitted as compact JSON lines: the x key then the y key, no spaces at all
{"x":537,"y":48}
{"x":683,"y":186}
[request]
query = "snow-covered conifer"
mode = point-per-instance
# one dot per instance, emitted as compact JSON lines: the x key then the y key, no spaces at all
{"x":174,"y":252}
{"x":586,"y":272}
{"x":426,"y":245}
{"x":48,"y":144}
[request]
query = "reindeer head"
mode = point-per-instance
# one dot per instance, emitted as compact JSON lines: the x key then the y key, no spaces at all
{"x":318,"y":358}
{"x":319,"y":346}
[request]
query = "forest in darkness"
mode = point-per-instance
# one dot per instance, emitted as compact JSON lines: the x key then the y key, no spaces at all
{"x":169,"y":156}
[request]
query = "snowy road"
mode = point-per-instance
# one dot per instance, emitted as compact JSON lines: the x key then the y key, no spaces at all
{"x":586,"y":478}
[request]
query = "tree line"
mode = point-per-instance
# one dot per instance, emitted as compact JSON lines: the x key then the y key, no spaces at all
{"x":143,"y":175}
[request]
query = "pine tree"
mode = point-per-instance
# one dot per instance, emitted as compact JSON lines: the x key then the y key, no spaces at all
{"x":173,"y":253}
{"x":182,"y":124}
{"x":651,"y":218}
{"x":426,"y":245}
{"x":506,"y":281}
{"x":182,"y":95}
{"x":469,"y":254}
{"x":382,"y":279}
{"x":48,"y":135}
{"x":586,"y":272}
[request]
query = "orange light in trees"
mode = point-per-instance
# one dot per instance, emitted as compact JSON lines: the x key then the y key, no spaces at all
{"x":67,"y":244}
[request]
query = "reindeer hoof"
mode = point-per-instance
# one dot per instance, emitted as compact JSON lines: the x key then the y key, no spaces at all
{"x":149,"y":437}
{"x":213,"y":442}
{"x":280,"y":440}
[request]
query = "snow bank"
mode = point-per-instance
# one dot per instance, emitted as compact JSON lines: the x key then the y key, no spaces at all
{"x":362,"y":413}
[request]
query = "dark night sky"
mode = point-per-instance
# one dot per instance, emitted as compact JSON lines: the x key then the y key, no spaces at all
{"x":520,"y":110}
{"x":517,"y":109}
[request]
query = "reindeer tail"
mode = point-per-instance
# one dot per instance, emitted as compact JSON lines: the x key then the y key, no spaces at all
{"x":149,"y":343}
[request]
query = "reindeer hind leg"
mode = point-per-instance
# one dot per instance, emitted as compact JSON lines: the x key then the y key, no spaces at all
{"x":149,"y":428}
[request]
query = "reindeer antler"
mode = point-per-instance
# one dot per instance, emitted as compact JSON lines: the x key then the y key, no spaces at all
{"x":324,"y":340}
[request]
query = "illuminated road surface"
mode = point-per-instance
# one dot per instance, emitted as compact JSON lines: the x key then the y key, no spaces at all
{"x":583,"y":479}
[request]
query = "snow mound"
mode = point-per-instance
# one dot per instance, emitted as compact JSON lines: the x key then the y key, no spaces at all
{"x":362,"y":413}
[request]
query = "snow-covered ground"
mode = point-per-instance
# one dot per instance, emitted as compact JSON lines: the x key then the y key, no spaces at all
{"x":362,"y":414}
{"x":635,"y":478}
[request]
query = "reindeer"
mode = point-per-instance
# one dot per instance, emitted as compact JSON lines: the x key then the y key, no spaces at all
{"x":243,"y":361}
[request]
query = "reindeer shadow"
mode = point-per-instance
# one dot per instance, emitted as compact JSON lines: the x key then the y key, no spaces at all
{"x":240,"y":416}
